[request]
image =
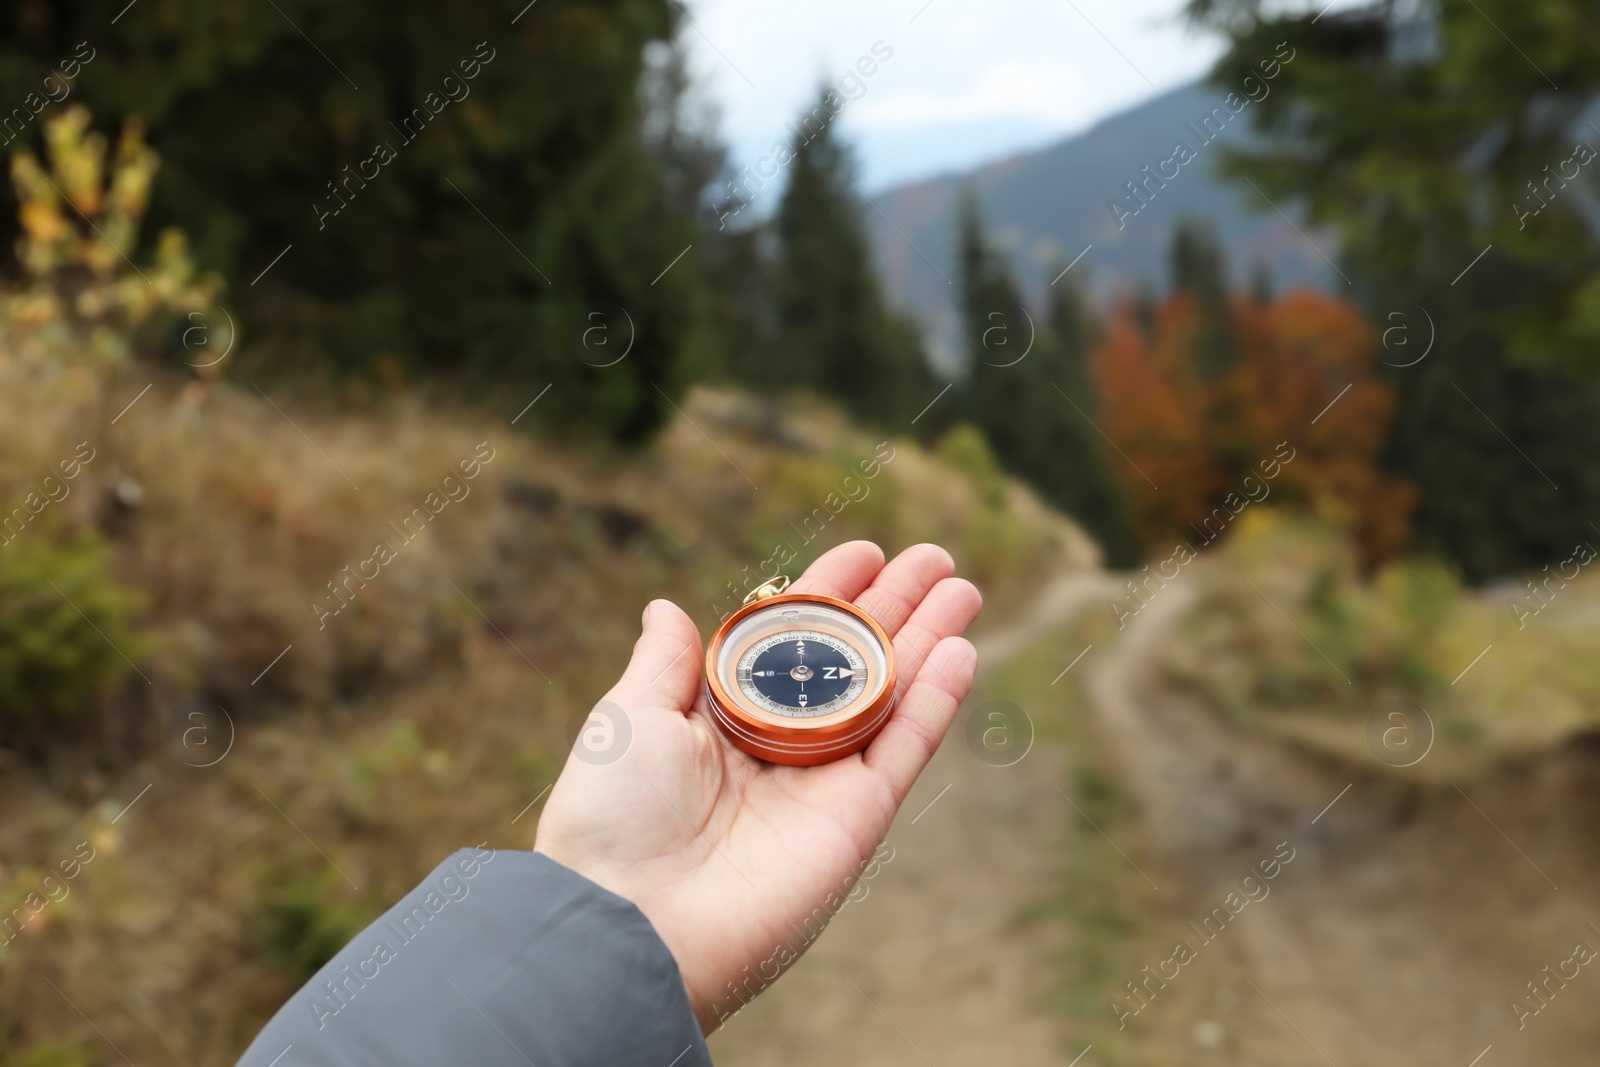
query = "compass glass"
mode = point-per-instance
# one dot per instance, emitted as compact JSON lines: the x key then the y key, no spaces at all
{"x":800,"y":662}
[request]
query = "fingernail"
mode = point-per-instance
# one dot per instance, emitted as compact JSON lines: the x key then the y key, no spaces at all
{"x":644,"y":620}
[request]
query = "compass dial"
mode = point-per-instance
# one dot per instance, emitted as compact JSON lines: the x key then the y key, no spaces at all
{"x":802,"y":674}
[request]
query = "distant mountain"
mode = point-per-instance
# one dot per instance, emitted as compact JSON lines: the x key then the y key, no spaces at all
{"x":1046,"y":206}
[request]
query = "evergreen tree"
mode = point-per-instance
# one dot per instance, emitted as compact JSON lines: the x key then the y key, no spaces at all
{"x":1089,"y":490}
{"x":1028,"y":391}
{"x":836,"y":333}
{"x":434,"y":187}
{"x":742,"y":326}
{"x":1442,"y":157}
{"x":1198,"y":270}
{"x":1262,"y":291}
{"x":1200,"y":279}
{"x":1145,"y":303}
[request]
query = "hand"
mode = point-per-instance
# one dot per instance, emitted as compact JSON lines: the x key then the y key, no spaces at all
{"x":730,"y":857}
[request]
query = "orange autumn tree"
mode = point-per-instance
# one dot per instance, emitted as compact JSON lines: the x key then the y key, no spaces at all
{"x":1153,"y":417}
{"x":1299,"y":418}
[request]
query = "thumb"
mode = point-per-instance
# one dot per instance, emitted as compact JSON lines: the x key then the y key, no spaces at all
{"x":665,"y":668}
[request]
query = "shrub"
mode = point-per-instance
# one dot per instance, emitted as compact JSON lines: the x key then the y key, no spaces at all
{"x":65,"y":634}
{"x":967,"y":450}
{"x":301,"y":922}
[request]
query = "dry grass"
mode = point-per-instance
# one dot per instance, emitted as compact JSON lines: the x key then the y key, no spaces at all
{"x":410,"y":725}
{"x":1496,"y":684}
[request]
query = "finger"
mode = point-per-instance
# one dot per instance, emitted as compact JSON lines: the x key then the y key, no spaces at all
{"x":900,"y":586}
{"x":946,"y":611}
{"x":842,"y":572}
{"x":665,"y":668}
{"x":919,"y":723}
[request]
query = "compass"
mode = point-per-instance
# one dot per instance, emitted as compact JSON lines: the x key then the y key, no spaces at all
{"x":799,"y":678}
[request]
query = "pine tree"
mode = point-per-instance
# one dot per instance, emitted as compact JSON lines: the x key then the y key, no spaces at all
{"x":1262,"y":291}
{"x":1028,"y":391}
{"x":1496,"y":264}
{"x":836,"y":334}
{"x":516,"y":201}
{"x":1091,"y":492}
{"x":1199,"y":272}
{"x":1200,"y":282}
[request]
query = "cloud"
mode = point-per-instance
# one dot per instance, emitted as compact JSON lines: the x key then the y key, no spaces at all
{"x":1049,"y":90}
{"x":985,"y":78}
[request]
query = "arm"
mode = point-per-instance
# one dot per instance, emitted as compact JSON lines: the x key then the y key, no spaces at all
{"x":496,"y":958}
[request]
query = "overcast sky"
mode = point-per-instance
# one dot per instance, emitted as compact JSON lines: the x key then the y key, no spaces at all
{"x":968,"y":80}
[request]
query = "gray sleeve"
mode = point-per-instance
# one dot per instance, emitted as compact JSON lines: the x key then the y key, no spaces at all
{"x":496,"y":958}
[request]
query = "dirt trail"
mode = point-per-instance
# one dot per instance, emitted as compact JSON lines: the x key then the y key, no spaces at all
{"x":1398,"y":934}
{"x":945,"y":965}
{"x":1202,"y":789}
{"x":1403,"y":927}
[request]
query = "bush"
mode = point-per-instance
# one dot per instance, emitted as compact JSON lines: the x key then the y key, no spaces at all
{"x":65,"y":635}
{"x":300,"y":922}
{"x":967,"y":450}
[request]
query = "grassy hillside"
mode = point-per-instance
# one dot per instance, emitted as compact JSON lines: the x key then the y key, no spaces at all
{"x":291,"y":769}
{"x":1437,"y":682}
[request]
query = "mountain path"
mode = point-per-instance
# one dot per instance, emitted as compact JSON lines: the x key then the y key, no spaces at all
{"x":946,"y":965}
{"x":1397,"y":935}
{"x":1403,"y":926}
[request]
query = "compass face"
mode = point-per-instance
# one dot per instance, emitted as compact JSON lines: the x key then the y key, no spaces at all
{"x":802,"y":674}
{"x":802,"y":662}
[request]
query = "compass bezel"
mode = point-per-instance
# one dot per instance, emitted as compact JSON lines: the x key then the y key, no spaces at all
{"x":799,"y":741}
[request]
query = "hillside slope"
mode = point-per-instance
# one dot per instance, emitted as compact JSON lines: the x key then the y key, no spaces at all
{"x":277,"y":760}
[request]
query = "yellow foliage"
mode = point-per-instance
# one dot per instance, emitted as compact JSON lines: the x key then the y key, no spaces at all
{"x":80,"y":234}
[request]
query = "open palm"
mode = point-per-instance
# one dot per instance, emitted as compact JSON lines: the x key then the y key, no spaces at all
{"x":737,"y":862}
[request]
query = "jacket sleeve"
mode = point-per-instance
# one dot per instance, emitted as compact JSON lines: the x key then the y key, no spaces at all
{"x":496,"y":958}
